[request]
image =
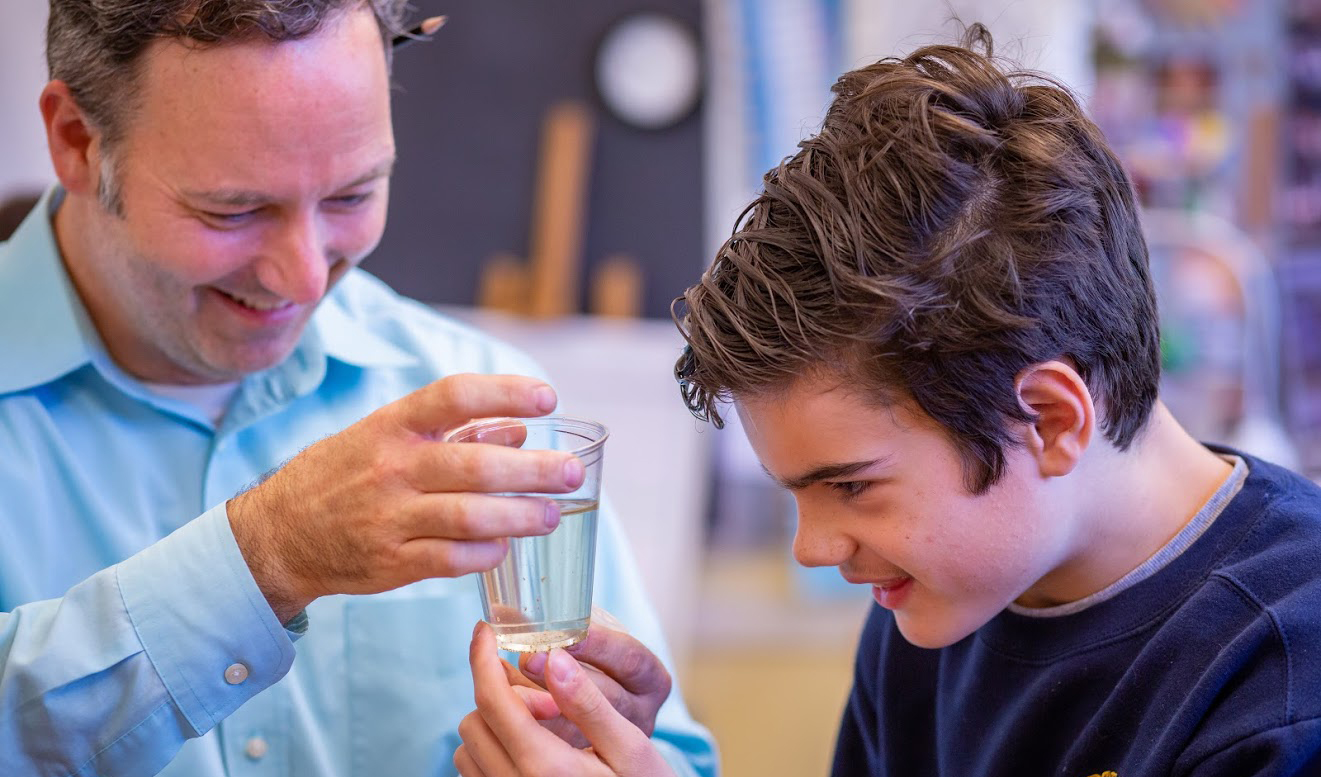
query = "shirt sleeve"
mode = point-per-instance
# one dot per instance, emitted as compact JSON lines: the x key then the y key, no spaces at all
{"x":1291,"y":750}
{"x":114,"y":676}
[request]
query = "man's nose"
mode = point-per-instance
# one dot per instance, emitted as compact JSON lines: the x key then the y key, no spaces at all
{"x":297,"y":265}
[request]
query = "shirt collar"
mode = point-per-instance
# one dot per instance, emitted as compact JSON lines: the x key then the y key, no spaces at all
{"x":343,"y":335}
{"x":46,"y":332}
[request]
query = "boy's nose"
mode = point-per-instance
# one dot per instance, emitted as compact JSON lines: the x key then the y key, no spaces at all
{"x":816,"y":545}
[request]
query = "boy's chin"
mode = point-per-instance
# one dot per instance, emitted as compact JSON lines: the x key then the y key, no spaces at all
{"x":934,"y":634}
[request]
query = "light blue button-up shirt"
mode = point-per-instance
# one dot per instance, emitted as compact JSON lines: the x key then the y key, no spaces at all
{"x":133,"y":639}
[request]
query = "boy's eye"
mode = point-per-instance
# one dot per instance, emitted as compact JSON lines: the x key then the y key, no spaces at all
{"x":849,"y":488}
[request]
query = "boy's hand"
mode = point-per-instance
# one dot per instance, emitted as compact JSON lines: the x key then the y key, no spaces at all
{"x":630,"y":677}
{"x":502,"y":738}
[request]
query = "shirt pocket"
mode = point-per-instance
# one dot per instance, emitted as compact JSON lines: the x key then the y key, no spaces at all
{"x":408,"y":681}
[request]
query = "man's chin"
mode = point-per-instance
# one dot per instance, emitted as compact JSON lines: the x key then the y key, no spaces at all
{"x":234,"y":366}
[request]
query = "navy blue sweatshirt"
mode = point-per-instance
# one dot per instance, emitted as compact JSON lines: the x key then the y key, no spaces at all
{"x":1209,"y":668}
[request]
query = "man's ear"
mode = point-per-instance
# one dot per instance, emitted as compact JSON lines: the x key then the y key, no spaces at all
{"x":74,"y":143}
{"x":1057,"y":396}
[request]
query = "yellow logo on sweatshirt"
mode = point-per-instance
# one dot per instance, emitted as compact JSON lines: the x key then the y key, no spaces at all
{"x":1105,"y":774}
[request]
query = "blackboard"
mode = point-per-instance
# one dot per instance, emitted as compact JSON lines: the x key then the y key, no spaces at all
{"x":468,"y":108}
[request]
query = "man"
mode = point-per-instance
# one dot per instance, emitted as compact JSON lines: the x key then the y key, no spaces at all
{"x":179,"y":317}
{"x":938,"y":329}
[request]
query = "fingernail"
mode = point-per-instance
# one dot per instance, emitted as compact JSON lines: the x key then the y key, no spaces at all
{"x":545,"y":399}
{"x":573,"y":472}
{"x":537,"y":663}
{"x":562,"y":666}
{"x":552,"y":515}
{"x":476,"y":629}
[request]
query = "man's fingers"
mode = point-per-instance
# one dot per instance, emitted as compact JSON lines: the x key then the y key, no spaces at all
{"x":427,"y":557}
{"x":466,"y":516}
{"x":493,"y":468}
{"x":614,"y":738}
{"x":455,"y":400}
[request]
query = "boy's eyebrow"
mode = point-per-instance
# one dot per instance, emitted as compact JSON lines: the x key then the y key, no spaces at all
{"x":244,"y":198}
{"x":825,"y":472}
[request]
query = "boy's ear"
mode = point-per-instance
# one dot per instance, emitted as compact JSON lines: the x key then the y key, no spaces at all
{"x":1057,"y":396}
{"x":74,"y":144}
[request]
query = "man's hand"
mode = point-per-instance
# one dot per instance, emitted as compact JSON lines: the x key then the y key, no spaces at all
{"x":384,"y":503}
{"x":502,"y":738}
{"x":630,"y":677}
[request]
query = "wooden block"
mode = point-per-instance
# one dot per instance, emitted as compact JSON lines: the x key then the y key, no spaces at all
{"x":617,"y":288}
{"x":559,"y":210}
{"x":504,"y":285}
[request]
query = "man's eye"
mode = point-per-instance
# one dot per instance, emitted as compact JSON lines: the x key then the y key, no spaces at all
{"x":849,"y":489}
{"x":351,"y":200}
{"x":229,"y":219}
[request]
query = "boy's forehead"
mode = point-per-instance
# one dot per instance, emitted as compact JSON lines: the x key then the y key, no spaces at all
{"x":814,"y":414}
{"x":828,"y":399}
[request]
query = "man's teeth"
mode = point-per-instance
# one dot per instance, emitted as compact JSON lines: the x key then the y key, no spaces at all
{"x":261,"y":306}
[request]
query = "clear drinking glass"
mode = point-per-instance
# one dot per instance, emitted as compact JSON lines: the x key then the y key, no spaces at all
{"x":540,"y":596}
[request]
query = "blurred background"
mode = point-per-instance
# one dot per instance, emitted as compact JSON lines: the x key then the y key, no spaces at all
{"x":567,"y":169}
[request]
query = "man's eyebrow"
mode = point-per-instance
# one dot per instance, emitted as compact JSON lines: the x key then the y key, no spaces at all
{"x":825,"y":472}
{"x":244,"y":198}
{"x":383,"y":170}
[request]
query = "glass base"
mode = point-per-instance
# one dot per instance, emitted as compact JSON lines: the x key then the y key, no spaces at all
{"x":521,"y":639}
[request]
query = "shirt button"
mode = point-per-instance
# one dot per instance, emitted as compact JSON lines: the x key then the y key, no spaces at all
{"x":236,"y":673}
{"x":255,"y":748}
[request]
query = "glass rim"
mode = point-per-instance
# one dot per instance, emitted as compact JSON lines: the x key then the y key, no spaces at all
{"x":600,"y":433}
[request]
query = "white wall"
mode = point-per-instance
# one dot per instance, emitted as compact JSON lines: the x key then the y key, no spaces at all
{"x":1048,"y":35}
{"x":24,"y":163}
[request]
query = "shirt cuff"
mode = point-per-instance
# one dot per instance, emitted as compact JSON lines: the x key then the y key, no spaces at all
{"x":210,"y":634}
{"x":698,"y":760}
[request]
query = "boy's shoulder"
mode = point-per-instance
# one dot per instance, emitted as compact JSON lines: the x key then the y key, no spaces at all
{"x":1272,"y":546}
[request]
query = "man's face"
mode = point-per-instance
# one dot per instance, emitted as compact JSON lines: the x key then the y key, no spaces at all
{"x":881,"y":495}
{"x":252,"y":175}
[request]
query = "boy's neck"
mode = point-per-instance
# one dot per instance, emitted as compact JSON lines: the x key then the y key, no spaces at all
{"x":1132,"y":504}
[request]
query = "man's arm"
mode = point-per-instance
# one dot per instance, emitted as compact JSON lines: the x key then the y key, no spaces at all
{"x":112,"y":678}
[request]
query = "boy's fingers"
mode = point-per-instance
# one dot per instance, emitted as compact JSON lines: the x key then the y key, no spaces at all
{"x":501,"y":708}
{"x":614,"y":738}
{"x":538,"y":702}
{"x":481,"y":754}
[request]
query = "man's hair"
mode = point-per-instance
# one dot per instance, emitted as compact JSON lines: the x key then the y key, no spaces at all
{"x":96,"y":46}
{"x":951,"y":224}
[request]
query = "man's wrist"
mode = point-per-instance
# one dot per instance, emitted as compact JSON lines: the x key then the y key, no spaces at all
{"x":268,"y":572}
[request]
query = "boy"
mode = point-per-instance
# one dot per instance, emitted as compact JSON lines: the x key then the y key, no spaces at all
{"x":938,"y":328}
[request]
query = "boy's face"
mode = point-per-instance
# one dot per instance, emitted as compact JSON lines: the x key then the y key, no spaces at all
{"x":881,"y":495}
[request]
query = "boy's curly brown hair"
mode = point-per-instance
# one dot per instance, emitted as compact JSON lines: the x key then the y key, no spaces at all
{"x":952,"y":223}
